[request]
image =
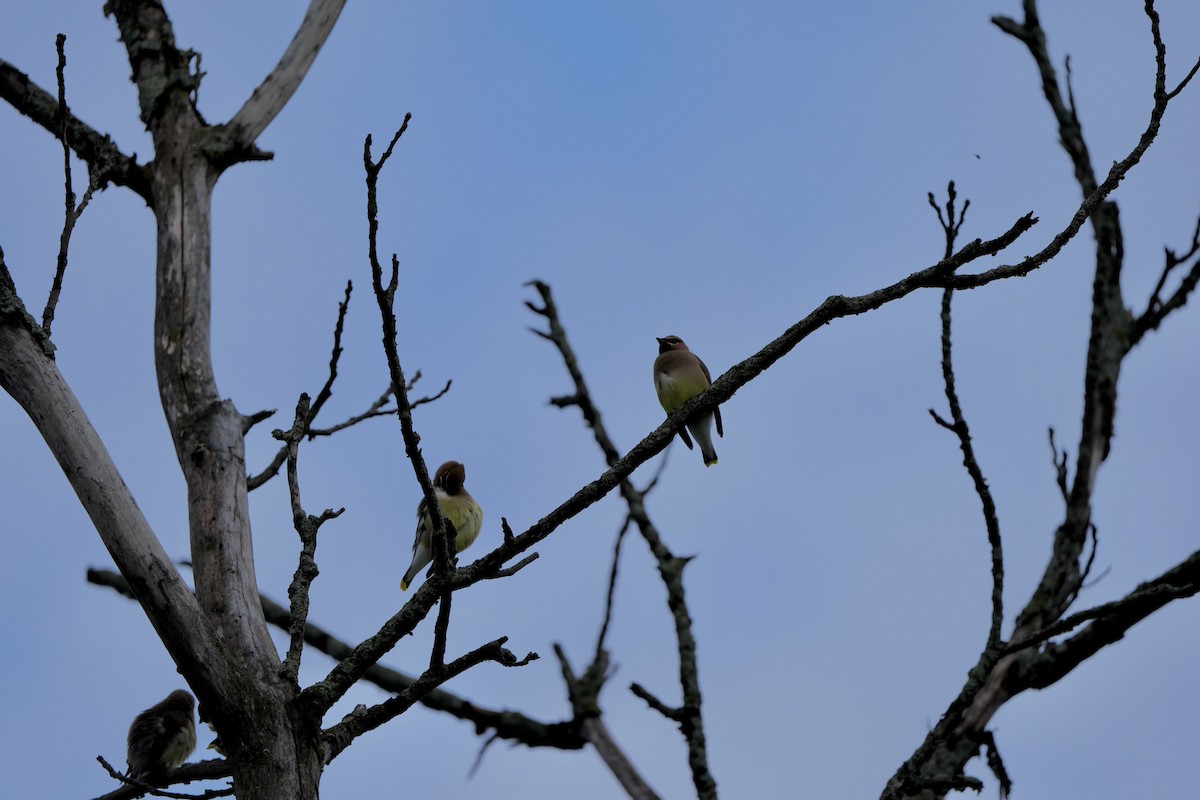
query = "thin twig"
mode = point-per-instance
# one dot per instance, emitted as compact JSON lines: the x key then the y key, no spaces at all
{"x":950,"y":227}
{"x":1182,"y":580}
{"x":612,"y":586}
{"x":105,"y":160}
{"x":183,"y":774}
{"x":670,"y":566}
{"x":583,"y":691}
{"x":72,"y":212}
{"x":306,"y":528}
{"x":362,"y":719}
{"x":385,"y":297}
{"x":1158,"y":309}
{"x":376,"y":409}
{"x":1059,"y":460}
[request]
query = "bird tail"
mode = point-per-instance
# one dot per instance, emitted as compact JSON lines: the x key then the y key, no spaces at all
{"x":702,"y":431}
{"x":421,"y":557}
{"x":413,"y":569}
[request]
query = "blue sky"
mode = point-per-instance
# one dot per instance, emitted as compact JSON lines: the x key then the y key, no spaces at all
{"x":706,"y":169}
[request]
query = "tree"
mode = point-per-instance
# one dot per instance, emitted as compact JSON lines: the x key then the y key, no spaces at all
{"x":218,"y":636}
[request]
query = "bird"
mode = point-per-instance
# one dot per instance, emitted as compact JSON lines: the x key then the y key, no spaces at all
{"x":458,"y":509}
{"x":680,"y":375}
{"x":161,"y":738}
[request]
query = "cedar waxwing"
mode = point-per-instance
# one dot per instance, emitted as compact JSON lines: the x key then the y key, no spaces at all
{"x":679,"y":375}
{"x":161,"y":738}
{"x":458,"y":509}
{"x":215,"y":744}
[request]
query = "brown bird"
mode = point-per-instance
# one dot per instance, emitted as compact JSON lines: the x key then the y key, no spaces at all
{"x":161,"y":738}
{"x":679,"y":375}
{"x":459,"y":510}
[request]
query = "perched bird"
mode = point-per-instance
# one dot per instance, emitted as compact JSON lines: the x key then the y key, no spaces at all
{"x":161,"y":738}
{"x":679,"y":375}
{"x":458,"y":509}
{"x":216,"y":743}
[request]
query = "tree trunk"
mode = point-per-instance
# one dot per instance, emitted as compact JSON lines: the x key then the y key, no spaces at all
{"x":273,"y":749}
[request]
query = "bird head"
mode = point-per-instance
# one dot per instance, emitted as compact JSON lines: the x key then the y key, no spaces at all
{"x":181,"y":700}
{"x":668,"y":343}
{"x":450,"y":477}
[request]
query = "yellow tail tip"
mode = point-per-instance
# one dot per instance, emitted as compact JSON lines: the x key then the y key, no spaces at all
{"x":404,"y":586}
{"x":710,"y":463}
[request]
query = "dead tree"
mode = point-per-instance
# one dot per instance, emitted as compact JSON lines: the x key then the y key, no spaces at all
{"x":273,"y":729}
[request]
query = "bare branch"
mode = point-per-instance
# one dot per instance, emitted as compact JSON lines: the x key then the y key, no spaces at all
{"x":385,"y":297}
{"x":1059,"y":460}
{"x":506,"y":724}
{"x":675,"y":714}
{"x":1186,"y":79}
{"x":327,"y":390}
{"x":940,"y":274}
{"x":185,"y":773}
{"x":612,"y":587}
{"x":1157,"y":309}
{"x":445,"y":577}
{"x":595,"y":731}
{"x":251,"y":420}
{"x":950,"y":227}
{"x":278,"y":87}
{"x":33,"y":380}
{"x":584,"y":692}
{"x":361,"y":720}
{"x":376,"y":410}
{"x":938,"y":763}
{"x":107,"y":163}
{"x":996,"y":764}
{"x":441,"y":627}
{"x":73,"y":212}
{"x":306,"y":527}
{"x":670,"y":567}
{"x":326,"y":692}
{"x":1181,"y":581}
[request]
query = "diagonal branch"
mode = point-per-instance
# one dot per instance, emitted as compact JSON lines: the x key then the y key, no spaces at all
{"x":1112,"y":620}
{"x":361,"y":720}
{"x":1158,"y":309}
{"x":670,"y":566}
{"x":325,"y":693}
{"x":940,"y":274}
{"x":278,"y":87}
{"x":105,"y":160}
{"x":506,"y":724}
{"x":32,"y":378}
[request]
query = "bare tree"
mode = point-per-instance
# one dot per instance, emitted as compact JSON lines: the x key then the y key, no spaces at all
{"x":273,"y":729}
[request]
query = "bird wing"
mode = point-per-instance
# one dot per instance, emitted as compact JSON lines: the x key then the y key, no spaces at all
{"x":716,"y":409}
{"x":417,"y":536}
{"x":147,"y":741}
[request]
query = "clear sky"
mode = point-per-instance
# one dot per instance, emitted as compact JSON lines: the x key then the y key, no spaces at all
{"x":712,"y":170}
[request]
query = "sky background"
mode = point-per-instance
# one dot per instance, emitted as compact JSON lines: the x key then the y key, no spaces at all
{"x":710,"y":170}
